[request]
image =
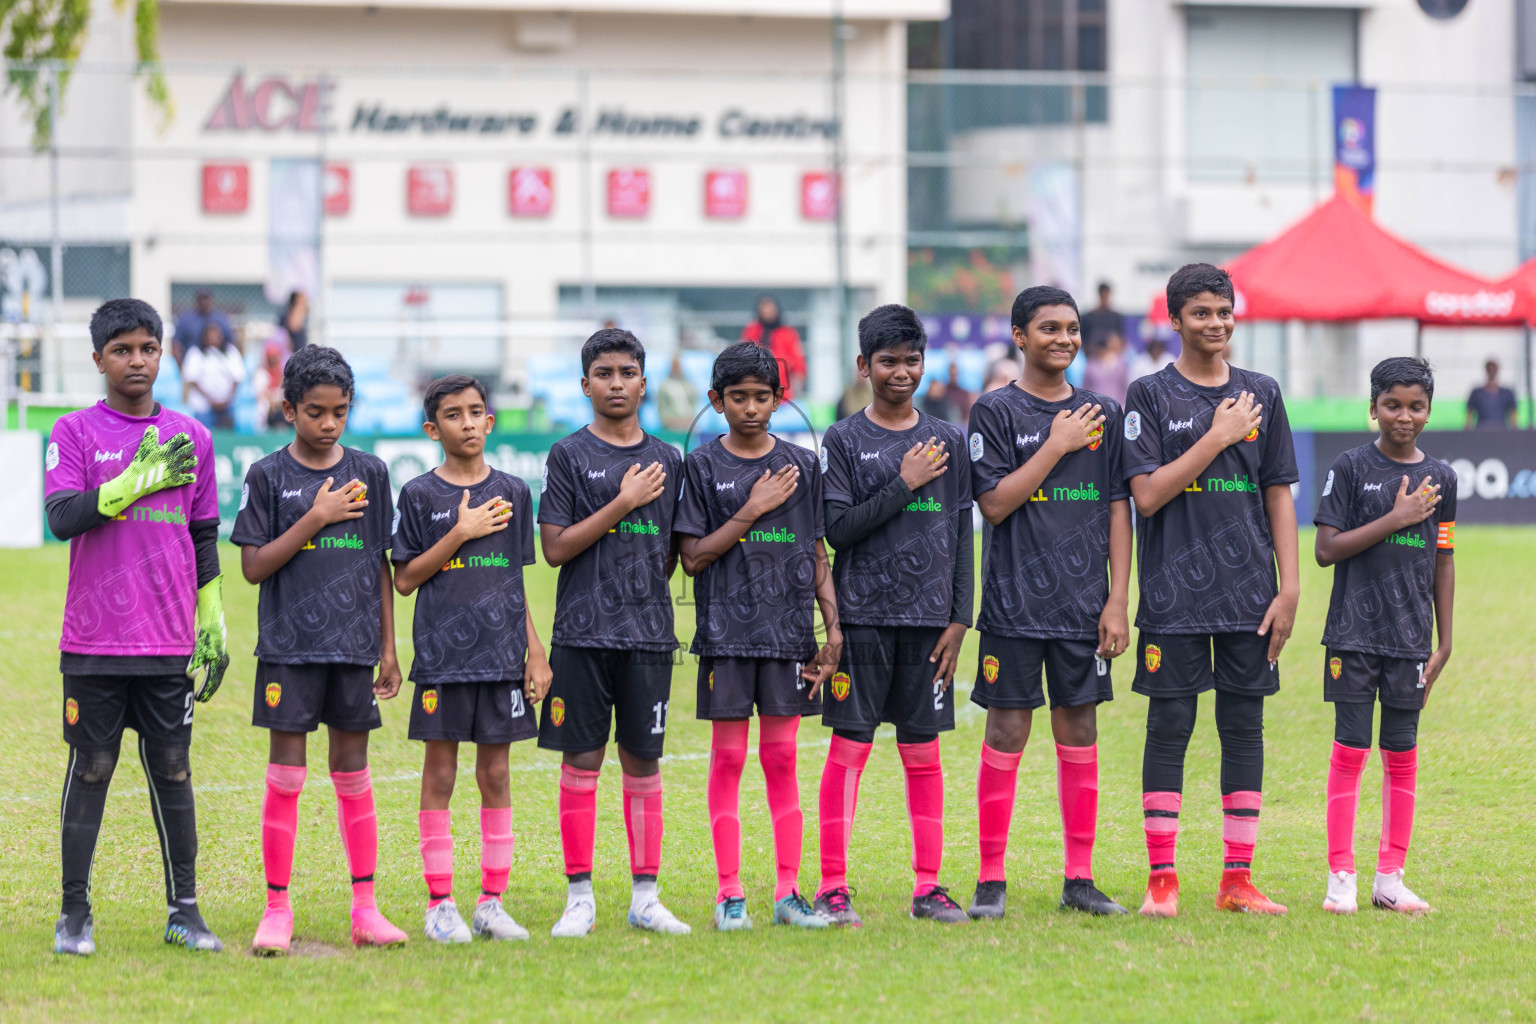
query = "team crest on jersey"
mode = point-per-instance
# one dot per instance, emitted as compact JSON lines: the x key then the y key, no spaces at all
{"x":557,"y":711}
{"x":71,"y":711}
{"x":822,"y":455}
{"x":245,"y":496}
{"x":1252,"y":435}
{"x":978,"y":447}
{"x":841,"y":684}
{"x":51,"y":460}
{"x":711,"y":680}
{"x":394,"y":527}
{"x":1328,"y":484}
{"x":1335,"y":667}
{"x":989,"y":668}
{"x":429,"y":701}
{"x":1095,"y":437}
{"x":274,"y":694}
{"x":544,"y":484}
{"x":1132,"y":425}
{"x":1154,"y":657}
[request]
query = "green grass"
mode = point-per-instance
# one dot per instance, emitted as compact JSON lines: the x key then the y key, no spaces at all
{"x":1471,"y":959}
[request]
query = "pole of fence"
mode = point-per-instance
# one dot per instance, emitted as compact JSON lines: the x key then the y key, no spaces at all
{"x":48,"y":359}
{"x":1530,"y":394}
{"x":840,"y":232}
{"x":588,"y":282}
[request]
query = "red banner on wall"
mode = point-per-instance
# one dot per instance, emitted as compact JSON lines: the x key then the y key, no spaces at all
{"x":337,"y":183}
{"x":530,"y":191}
{"x":629,"y":192}
{"x":226,"y":188}
{"x":429,"y":191}
{"x":725,"y":194}
{"x":818,"y":195}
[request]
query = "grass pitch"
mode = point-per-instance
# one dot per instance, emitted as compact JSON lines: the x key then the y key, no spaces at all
{"x":1470,"y":960}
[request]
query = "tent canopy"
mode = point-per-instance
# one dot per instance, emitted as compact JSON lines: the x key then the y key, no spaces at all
{"x":1336,"y":263}
{"x":1523,"y":282}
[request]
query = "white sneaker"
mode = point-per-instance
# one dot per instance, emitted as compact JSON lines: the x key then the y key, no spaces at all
{"x":492,"y":921}
{"x":1389,"y":893}
{"x":579,"y":919}
{"x":445,"y":925}
{"x":654,"y":917}
{"x":1341,"y":897}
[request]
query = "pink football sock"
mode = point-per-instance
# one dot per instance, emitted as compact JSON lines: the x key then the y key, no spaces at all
{"x":997,"y":780}
{"x":642,"y":821}
{"x":578,"y":818}
{"x":727,"y":758}
{"x":1077,"y":789}
{"x":1160,"y":820}
{"x":1399,"y":786}
{"x":838,"y":798}
{"x":1344,"y":770}
{"x":925,"y":810}
{"x":279,"y":825}
{"x":436,"y":855}
{"x":495,"y":851}
{"x":1240,"y":825}
{"x":776,"y":750}
{"x":359,"y":832}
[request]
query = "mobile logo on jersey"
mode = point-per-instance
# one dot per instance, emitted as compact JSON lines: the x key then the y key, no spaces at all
{"x":557,"y":712}
{"x":71,"y":711}
{"x":429,"y":701}
{"x":989,"y":668}
{"x":1095,"y":437}
{"x":1132,"y":425}
{"x":1154,"y":657}
{"x":978,"y":447}
{"x":841,"y":684}
{"x":1335,"y":667}
{"x":274,"y":694}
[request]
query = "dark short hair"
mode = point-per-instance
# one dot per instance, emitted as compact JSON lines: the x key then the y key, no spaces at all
{"x":611,"y":339}
{"x":891,"y":326}
{"x":121,"y":316}
{"x":740,"y":361}
{"x":1032,"y":299}
{"x":1193,"y":278}
{"x":315,"y":366}
{"x":1405,"y":371}
{"x":445,"y":386}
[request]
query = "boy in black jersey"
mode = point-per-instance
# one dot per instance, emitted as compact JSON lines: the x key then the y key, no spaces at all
{"x":900,"y":518}
{"x":1210,"y":463}
{"x":1045,"y":458}
{"x":473,"y":634}
{"x":1387,"y":523}
{"x":752,"y":534}
{"x":605,"y":518}
{"x":326,"y":618}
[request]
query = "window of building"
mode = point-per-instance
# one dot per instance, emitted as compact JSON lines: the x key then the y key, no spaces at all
{"x":1259,"y":93}
{"x":1012,"y":35}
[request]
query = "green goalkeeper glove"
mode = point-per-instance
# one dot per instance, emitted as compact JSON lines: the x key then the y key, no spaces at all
{"x":155,"y":466}
{"x":209,"y":649}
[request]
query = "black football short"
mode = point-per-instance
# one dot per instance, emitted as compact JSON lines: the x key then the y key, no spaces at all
{"x":98,"y":708}
{"x":1009,"y":673}
{"x":471,"y":713}
{"x":596,"y":685}
{"x":729,"y":687}
{"x":301,"y":698}
{"x":1351,"y":677}
{"x":1175,"y":665}
{"x":885,"y":676}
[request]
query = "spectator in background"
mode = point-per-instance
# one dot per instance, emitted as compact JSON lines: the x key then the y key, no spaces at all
{"x":677,"y":400}
{"x":947,"y":400}
{"x":856,"y":397}
{"x":210,"y":376}
{"x":1107,"y":371}
{"x":296,"y":320}
{"x":1492,"y":406}
{"x":1000,"y":374}
{"x":1101,"y":321}
{"x":1153,"y":359}
{"x":269,"y":379}
{"x":192,"y":326}
{"x":780,"y":339}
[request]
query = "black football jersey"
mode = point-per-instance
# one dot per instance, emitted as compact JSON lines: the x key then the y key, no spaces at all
{"x":1206,"y":560}
{"x":1383,"y":599}
{"x":903,"y":573}
{"x":1046,"y":569}
{"x":471,"y":615}
{"x":615,"y":593}
{"x":326,"y":605}
{"x":758,"y":600}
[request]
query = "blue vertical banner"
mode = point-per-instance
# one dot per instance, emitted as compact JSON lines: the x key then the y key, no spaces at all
{"x":1354,"y":144}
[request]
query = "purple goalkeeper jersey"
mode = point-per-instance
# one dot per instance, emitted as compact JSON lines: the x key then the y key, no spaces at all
{"x":133,"y":579}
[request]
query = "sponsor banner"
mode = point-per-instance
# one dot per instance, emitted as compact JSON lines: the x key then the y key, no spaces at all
{"x":1495,"y":471}
{"x":1354,"y":144}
